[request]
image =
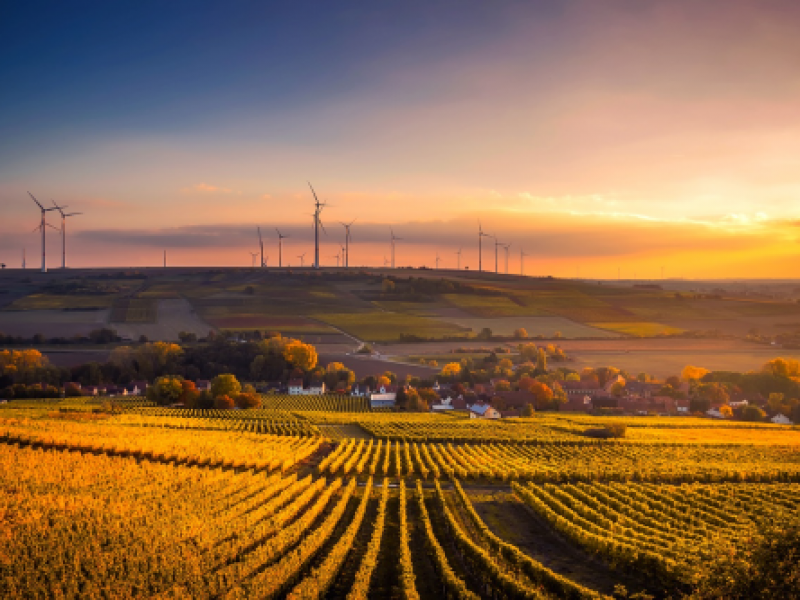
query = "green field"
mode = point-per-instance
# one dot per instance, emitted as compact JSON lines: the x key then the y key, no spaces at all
{"x":380,"y":326}
{"x":639,"y":329}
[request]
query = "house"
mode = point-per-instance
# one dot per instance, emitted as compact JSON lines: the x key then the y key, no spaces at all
{"x":383,"y":397}
{"x":444,"y":404}
{"x":585,"y":387}
{"x":137,"y":388}
{"x":316,"y":388}
{"x":510,"y":400}
{"x":203,"y":385}
{"x":483,"y":411}
{"x":576,"y":403}
{"x":715,"y":413}
{"x":93,"y":390}
{"x":781,"y":419}
{"x":459,"y":403}
{"x":682,"y":407}
{"x":295,"y":387}
{"x":613,"y":381}
{"x":359,"y":390}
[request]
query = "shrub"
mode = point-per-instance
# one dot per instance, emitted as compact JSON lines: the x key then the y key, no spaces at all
{"x":223,"y":402}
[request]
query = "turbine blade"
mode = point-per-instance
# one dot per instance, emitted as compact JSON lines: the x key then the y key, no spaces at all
{"x":35,"y":200}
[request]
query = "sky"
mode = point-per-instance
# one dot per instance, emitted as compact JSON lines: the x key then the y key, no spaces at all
{"x":599,"y":138}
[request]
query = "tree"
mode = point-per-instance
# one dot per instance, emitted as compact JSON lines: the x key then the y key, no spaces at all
{"x":542,"y":393}
{"x":225,"y":385}
{"x":528,"y":351}
{"x":223,"y":402}
{"x":573,"y":377}
{"x":485,"y":334}
{"x":451,"y":371}
{"x":527,"y":410}
{"x":715,"y":393}
{"x":691,"y":373}
{"x":726,"y":411}
{"x":248,"y":400}
{"x":414,"y":402}
{"x":541,"y":360}
{"x":520,"y":333}
{"x":617,"y":389}
{"x":502,"y":386}
{"x":387,"y":286}
{"x":559,"y":397}
{"x":300,"y":355}
{"x":753,"y":413}
{"x":189,"y":394}
{"x":165,"y":390}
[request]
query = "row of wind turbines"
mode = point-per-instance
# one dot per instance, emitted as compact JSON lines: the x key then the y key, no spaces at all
{"x":343,"y":256}
{"x":43,"y":225}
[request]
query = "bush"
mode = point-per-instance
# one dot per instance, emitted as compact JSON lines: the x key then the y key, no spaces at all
{"x":223,"y":402}
{"x":612,"y":430}
{"x":753,"y":413}
{"x":248,"y":400}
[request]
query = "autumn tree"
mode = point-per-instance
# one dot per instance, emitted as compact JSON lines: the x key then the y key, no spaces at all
{"x":189,"y":394}
{"x":502,"y":386}
{"x":451,"y":371}
{"x":165,"y":390}
{"x":542,"y":393}
{"x":691,"y":373}
{"x":541,"y":360}
{"x":225,"y":384}
{"x":300,"y":355}
{"x":520,"y":333}
{"x":527,"y":410}
{"x":223,"y":402}
{"x":753,"y":413}
{"x":248,"y":400}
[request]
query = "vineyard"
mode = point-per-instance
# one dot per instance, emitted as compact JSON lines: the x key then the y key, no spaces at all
{"x":292,"y":501}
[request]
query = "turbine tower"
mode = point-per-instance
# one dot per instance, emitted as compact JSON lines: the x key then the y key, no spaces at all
{"x":347,"y":239}
{"x":302,"y":258}
{"x":522,"y":256}
{"x":437,"y":261}
{"x":23,"y":258}
{"x":42,"y":227}
{"x":496,"y":244}
{"x":459,"y":258}
{"x":64,"y":233}
{"x":318,"y":206}
{"x":261,"y":245}
{"x":336,"y":256}
{"x":254,"y":255}
{"x":481,"y":235}
{"x":385,"y":262}
{"x":280,"y":246}
{"x":394,"y":239}
{"x":506,"y":247}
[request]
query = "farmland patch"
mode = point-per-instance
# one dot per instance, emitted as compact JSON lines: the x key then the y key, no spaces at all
{"x":544,"y":326}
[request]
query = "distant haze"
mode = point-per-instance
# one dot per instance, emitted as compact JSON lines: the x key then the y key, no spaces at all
{"x":597,"y":136}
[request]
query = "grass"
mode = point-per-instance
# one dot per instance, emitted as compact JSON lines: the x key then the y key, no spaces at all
{"x":492,"y":306}
{"x":642,"y":329}
{"x":541,"y":326}
{"x":135,"y":310}
{"x":381,"y":326}
{"x":52,"y":302}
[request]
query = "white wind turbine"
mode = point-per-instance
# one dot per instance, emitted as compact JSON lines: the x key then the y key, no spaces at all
{"x":42,"y":227}
{"x":64,"y":232}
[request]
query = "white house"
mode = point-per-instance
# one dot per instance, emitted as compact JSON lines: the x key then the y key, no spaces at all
{"x":296,"y":388}
{"x":781,"y":419}
{"x":359,"y":391}
{"x":383,"y":397}
{"x":444,"y":404}
{"x":483,"y":411}
{"x":715,"y":413}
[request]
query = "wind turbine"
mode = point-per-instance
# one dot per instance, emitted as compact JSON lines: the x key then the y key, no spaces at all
{"x":254,"y":255}
{"x":437,"y":261}
{"x":506,"y":247}
{"x":261,"y":245}
{"x":64,"y":233}
{"x":42,"y":226}
{"x":459,"y":258}
{"x":522,"y":255}
{"x":394,"y":239}
{"x":347,"y":239}
{"x":481,"y":235}
{"x":385,"y":262}
{"x":302,"y":258}
{"x":23,"y":258}
{"x":496,"y":244}
{"x":280,"y":246}
{"x":336,"y":256}
{"x":318,"y":206}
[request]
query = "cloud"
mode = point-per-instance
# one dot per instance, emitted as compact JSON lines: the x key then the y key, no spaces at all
{"x":204,"y":187}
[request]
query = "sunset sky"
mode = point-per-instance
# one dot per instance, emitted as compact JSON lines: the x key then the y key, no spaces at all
{"x":594,"y":135}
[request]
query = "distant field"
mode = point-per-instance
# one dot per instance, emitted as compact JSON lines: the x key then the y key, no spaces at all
{"x":666,"y":363}
{"x":52,"y":323}
{"x":492,"y":306}
{"x":244,"y":322}
{"x":54,"y":302}
{"x":639,"y":329}
{"x":545,"y":326}
{"x":134,"y":310}
{"x":380,"y":326}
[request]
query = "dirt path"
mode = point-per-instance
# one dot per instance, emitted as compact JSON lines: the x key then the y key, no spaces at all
{"x":510,"y":519}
